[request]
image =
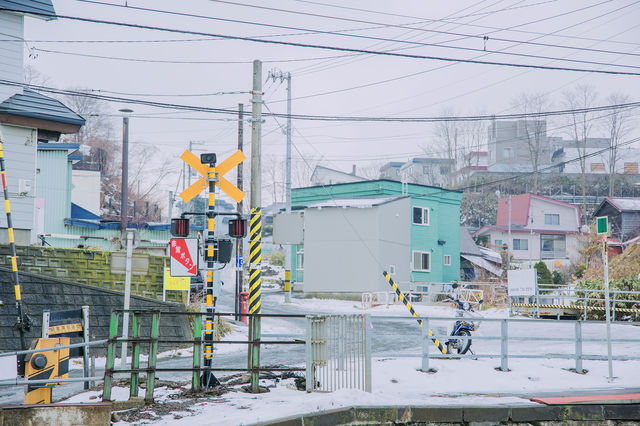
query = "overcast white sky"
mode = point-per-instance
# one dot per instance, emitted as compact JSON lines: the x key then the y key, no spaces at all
{"x":402,"y":87}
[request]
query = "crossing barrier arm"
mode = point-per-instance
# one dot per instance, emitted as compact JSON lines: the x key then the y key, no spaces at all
{"x":406,"y":302}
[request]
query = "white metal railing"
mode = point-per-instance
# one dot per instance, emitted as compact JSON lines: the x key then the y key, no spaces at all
{"x":533,"y":343}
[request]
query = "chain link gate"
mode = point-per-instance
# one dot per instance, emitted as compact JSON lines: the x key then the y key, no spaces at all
{"x":338,"y":352}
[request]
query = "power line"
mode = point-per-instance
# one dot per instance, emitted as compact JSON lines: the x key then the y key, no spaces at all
{"x":381,"y":24}
{"x":338,"y":48}
{"x":432,"y":119}
{"x":403,"y":26}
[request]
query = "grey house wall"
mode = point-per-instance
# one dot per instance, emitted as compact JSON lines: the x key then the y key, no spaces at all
{"x":19,"y":152}
{"x":346,"y":249}
{"x":40,"y":292}
{"x":11,"y":52}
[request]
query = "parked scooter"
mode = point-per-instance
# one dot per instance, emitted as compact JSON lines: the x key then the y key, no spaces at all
{"x":461,"y":327}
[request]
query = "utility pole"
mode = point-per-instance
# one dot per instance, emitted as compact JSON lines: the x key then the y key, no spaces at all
{"x":124,"y":188}
{"x":273,"y":74}
{"x":191,"y":143}
{"x":239,"y":248}
{"x":255,"y":227}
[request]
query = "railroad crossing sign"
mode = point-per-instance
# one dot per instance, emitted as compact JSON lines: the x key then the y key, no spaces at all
{"x":230,"y":189}
{"x":184,"y":257}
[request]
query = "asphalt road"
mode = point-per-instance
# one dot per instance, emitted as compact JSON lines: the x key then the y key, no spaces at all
{"x":389,"y":336}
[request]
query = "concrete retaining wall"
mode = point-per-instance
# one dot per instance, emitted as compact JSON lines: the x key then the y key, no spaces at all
{"x":40,"y":292}
{"x":47,"y":414}
{"x":92,"y":267}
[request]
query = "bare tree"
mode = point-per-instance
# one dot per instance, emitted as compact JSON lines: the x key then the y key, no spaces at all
{"x":534,"y":131}
{"x":618,"y":125}
{"x":35,"y":77}
{"x":98,"y":125}
{"x":580,"y":126}
{"x":448,"y":135}
{"x":371,"y":171}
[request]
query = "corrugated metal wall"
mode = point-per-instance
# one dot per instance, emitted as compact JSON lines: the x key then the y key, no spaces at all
{"x":53,"y":186}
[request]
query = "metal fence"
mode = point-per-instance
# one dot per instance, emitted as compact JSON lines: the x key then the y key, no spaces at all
{"x":533,"y":343}
{"x":338,"y":350}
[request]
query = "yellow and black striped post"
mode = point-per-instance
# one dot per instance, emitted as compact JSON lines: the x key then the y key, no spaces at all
{"x":23,"y":323}
{"x":209,"y":379}
{"x":255,"y":259}
{"x":255,"y":290}
{"x":404,"y":300}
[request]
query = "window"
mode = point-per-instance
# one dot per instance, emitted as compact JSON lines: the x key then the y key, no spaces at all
{"x":508,"y":153}
{"x":597,"y":167}
{"x":447,"y":260}
{"x":498,"y":243}
{"x":552,"y":246}
{"x":552,"y":219}
{"x":421,"y":261}
{"x":520,"y":244}
{"x":300,"y":258}
{"x":392,"y":269}
{"x":421,"y":216}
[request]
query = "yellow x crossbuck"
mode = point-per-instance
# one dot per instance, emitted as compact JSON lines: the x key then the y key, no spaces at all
{"x":230,"y":189}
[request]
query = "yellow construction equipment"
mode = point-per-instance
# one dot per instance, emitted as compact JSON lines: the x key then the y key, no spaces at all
{"x":46,"y":365}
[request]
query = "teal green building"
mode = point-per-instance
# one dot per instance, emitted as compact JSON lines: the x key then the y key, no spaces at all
{"x":354,"y":231}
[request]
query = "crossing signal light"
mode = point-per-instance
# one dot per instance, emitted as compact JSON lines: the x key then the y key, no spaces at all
{"x":238,"y":228}
{"x":180,"y":227}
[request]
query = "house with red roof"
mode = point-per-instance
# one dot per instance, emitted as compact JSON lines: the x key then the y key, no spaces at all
{"x":534,"y":228}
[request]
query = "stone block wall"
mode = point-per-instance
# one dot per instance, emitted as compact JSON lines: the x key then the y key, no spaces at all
{"x":40,"y":292}
{"x":91,"y":267}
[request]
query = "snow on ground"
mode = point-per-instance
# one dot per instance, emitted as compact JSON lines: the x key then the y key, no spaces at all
{"x":396,"y":382}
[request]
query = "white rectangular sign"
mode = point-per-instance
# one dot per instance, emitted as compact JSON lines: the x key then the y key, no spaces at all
{"x":287,"y":228}
{"x":184,"y":257}
{"x":522,"y":282}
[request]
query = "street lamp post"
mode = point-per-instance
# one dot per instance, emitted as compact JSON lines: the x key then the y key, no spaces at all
{"x":124,"y":190}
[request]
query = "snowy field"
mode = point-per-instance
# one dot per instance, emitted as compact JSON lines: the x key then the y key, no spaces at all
{"x":397,"y":381}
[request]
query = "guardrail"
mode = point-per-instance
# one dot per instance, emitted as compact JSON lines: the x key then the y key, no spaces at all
{"x":505,"y":338}
{"x":563,"y":296}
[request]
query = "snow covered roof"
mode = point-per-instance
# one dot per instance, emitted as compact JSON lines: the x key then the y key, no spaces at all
{"x":625,"y":204}
{"x":362,"y":203}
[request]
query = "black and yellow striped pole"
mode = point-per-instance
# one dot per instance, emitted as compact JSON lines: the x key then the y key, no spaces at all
{"x":23,"y":323}
{"x":406,"y":302}
{"x":255,"y":290}
{"x":209,"y":380}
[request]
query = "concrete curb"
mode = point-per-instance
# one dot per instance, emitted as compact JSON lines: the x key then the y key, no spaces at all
{"x":96,"y":413}
{"x":464,"y":415}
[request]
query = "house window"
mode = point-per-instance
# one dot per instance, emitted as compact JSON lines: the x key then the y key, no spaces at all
{"x":447,"y":260}
{"x":507,"y":152}
{"x":426,"y":170}
{"x":597,"y":167}
{"x":520,"y":244}
{"x":421,"y":216}
{"x":498,"y":243}
{"x":392,"y":269}
{"x":552,"y":246}
{"x":421,"y":261}
{"x":552,"y":219}
{"x":299,"y":258}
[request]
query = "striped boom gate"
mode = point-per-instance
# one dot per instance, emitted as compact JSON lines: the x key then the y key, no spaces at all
{"x":338,"y":353}
{"x":23,"y":323}
{"x":406,"y":302}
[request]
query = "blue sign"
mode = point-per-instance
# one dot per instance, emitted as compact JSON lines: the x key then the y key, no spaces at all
{"x":239,"y":262}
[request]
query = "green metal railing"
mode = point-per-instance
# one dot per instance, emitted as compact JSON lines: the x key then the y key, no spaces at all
{"x":153,"y":341}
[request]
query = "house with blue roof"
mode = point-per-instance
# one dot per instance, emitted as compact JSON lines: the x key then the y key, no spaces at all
{"x":30,"y":123}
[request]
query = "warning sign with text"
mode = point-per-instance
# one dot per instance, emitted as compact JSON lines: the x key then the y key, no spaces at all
{"x":184,"y":257}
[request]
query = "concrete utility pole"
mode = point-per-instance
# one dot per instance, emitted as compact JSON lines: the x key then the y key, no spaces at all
{"x":239,"y":248}
{"x":279,"y":75}
{"x":255,"y":225}
{"x":124,"y":188}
